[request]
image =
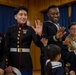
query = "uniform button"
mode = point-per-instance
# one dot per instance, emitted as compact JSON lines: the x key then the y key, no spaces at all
{"x":17,"y":42}
{"x":17,"y":46}
{"x":18,"y":34}
{"x":18,"y":31}
{"x":17,"y":38}
{"x":19,"y":28}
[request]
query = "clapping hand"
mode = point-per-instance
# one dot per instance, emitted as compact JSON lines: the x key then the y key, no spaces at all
{"x":72,"y":72}
{"x":60,"y":33}
{"x":66,"y":41}
{"x":9,"y":69}
{"x":44,"y":41}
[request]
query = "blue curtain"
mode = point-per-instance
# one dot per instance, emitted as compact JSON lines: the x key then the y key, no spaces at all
{"x":6,"y":18}
{"x":46,"y":18}
{"x":63,"y":21}
{"x":73,"y":13}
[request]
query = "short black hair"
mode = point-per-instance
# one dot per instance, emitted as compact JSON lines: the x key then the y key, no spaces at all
{"x":71,"y":24}
{"x":17,"y":9}
{"x":52,"y":51}
{"x":52,"y":6}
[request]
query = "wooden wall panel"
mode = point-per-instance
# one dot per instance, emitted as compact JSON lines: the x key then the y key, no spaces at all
{"x":67,"y":1}
{"x":33,"y":15}
{"x":44,"y":3}
{"x":14,"y":3}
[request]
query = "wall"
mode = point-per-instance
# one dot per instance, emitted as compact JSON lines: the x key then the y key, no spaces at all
{"x":14,"y":3}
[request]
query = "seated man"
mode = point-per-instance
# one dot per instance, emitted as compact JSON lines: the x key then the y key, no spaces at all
{"x":70,"y":41}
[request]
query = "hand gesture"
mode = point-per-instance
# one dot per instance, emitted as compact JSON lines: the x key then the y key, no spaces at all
{"x":60,"y":33}
{"x":66,"y":41}
{"x":72,"y":72}
{"x":38,"y":28}
{"x":44,"y":41}
{"x":1,"y":71}
{"x":9,"y":69}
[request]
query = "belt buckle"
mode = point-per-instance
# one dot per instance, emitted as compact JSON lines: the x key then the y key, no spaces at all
{"x":19,"y":49}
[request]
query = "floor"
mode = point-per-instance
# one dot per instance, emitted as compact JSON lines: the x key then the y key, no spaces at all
{"x":36,"y":73}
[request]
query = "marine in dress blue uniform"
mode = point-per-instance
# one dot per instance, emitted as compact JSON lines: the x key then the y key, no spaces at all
{"x":18,"y":41}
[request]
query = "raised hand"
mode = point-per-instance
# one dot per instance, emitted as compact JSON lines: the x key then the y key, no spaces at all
{"x":1,"y":71}
{"x":66,"y":41}
{"x":60,"y":33}
{"x":9,"y":69}
{"x":72,"y":72}
{"x":38,"y":28}
{"x":44,"y":41}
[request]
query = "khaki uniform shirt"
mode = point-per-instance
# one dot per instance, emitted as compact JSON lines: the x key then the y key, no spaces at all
{"x":72,"y":43}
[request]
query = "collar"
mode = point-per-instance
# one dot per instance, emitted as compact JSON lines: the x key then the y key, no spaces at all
{"x":48,"y":60}
{"x":52,"y":22}
{"x":20,"y":25}
{"x":56,"y":64}
{"x":72,"y":37}
{"x":56,"y":24}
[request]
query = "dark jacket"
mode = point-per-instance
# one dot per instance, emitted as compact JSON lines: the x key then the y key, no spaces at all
{"x":20,"y":37}
{"x":49,"y":31}
{"x":58,"y":71}
{"x":55,"y":68}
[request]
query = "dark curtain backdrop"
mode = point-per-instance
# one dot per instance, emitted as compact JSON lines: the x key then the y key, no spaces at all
{"x":46,"y":17}
{"x":6,"y":18}
{"x":73,"y":13}
{"x":63,"y":21}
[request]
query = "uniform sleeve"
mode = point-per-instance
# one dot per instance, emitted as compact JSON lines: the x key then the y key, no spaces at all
{"x":49,"y":32}
{"x":7,"y":41}
{"x":51,"y":36}
{"x":45,"y":30}
{"x":36,"y":39}
{"x":44,"y":51}
{"x":2,"y":53}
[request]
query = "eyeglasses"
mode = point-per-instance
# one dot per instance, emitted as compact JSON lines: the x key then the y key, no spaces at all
{"x":73,"y":29}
